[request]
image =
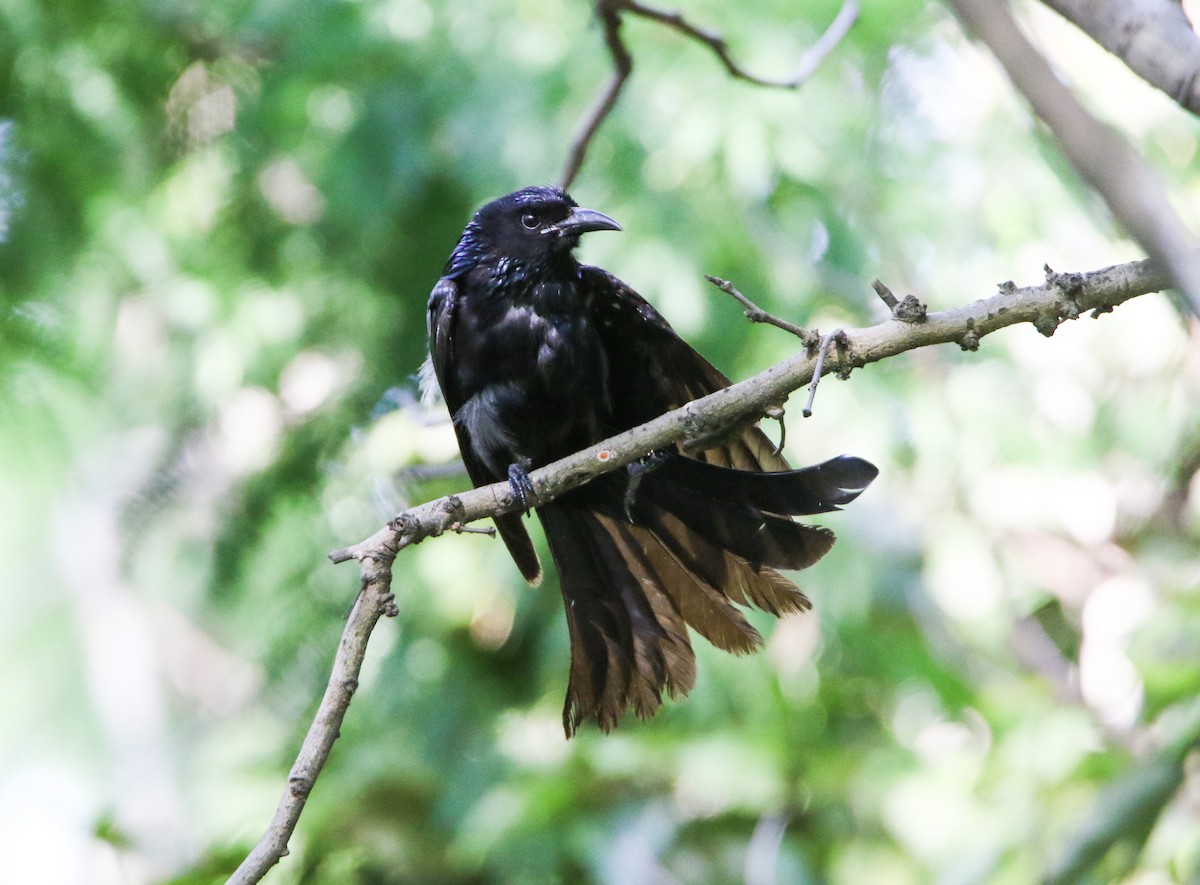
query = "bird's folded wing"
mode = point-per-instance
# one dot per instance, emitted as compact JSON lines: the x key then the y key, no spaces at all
{"x":443,"y":306}
{"x":652,"y":370}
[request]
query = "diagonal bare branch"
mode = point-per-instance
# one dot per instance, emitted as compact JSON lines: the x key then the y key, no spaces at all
{"x":374,"y":601}
{"x":1153,"y":37}
{"x":1061,"y":297}
{"x":756,"y":314}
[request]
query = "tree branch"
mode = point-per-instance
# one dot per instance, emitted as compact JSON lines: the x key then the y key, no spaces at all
{"x":610,"y":17}
{"x":756,"y":314}
{"x":1061,"y":297}
{"x":1152,"y":37}
{"x":810,"y":61}
{"x":610,"y":12}
{"x":374,"y":600}
{"x":1127,"y":809}
{"x":1100,"y":154}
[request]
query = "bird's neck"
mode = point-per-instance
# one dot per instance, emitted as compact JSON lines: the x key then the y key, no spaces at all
{"x":544,"y":284}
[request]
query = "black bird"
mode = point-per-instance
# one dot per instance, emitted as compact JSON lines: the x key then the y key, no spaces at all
{"x":537,"y":357}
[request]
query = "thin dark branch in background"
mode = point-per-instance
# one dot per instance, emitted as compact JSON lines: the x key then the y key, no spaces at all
{"x":1045,"y":306}
{"x":610,"y":12}
{"x":1152,"y":37}
{"x":808,"y":63}
{"x":1100,"y":154}
{"x":610,"y":17}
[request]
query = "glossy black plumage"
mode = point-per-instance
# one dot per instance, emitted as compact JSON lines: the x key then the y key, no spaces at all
{"x":538,"y":357}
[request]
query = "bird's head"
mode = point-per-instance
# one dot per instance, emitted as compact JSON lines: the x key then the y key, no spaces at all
{"x":536,"y":223}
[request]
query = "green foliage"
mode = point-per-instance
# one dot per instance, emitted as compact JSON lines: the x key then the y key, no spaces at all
{"x":218,"y":227}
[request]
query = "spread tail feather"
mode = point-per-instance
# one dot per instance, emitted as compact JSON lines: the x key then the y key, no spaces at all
{"x":631,"y":591}
{"x":817,"y":489}
{"x":696,"y":541}
{"x":628,"y":639}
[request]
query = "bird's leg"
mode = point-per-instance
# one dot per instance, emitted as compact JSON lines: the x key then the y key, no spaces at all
{"x":635,"y":472}
{"x":519,"y":482}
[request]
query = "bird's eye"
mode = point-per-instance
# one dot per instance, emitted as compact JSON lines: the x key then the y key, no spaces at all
{"x":530,"y":220}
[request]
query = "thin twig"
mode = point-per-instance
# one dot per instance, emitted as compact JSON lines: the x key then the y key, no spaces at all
{"x":837,"y":336}
{"x":702,"y":418}
{"x":610,"y":11}
{"x":826,"y":43}
{"x":610,"y":17}
{"x":910,"y":310}
{"x":460,"y":529}
{"x":756,"y":314}
{"x":885,"y":295}
{"x":809,"y":63}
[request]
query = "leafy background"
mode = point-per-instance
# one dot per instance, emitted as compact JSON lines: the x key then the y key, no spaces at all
{"x":219,"y":225}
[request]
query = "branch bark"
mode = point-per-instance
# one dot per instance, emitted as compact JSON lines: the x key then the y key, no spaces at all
{"x":1060,"y":297}
{"x":374,"y":601}
{"x":1099,"y":153}
{"x":1153,"y":37}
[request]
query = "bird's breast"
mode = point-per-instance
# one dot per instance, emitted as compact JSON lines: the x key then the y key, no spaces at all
{"x":539,"y":365}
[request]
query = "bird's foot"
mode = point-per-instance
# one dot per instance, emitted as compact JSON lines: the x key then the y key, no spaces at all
{"x":636,"y":472}
{"x":519,"y":482}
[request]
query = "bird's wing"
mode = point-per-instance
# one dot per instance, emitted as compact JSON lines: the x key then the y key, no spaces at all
{"x":652,"y":370}
{"x":443,"y":310}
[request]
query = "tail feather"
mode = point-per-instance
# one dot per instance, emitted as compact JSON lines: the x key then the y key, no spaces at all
{"x":703,"y":540}
{"x":769,"y":591}
{"x":636,"y":547}
{"x":739,"y":581}
{"x":628,"y":642}
{"x":729,"y":524}
{"x":817,"y":489}
{"x":690,"y":571}
{"x":631,"y":591}
{"x":520,"y":547}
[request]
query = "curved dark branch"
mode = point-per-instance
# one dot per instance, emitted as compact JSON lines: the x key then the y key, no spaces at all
{"x":610,"y":17}
{"x":808,"y":64}
{"x":610,"y":12}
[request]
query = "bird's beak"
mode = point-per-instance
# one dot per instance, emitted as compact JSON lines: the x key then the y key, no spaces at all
{"x":581,"y":221}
